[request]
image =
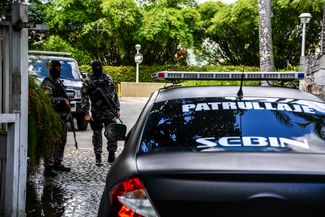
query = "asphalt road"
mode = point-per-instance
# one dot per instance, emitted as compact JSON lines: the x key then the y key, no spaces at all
{"x":77,"y":193}
{"x":130,"y":110}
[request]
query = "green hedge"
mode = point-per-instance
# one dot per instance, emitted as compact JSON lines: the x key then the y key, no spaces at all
{"x":128,"y":73}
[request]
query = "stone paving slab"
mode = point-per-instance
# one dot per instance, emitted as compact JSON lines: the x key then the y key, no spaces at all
{"x":77,"y":193}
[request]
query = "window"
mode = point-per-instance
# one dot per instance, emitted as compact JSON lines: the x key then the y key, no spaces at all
{"x":227,"y":124}
{"x":39,"y":67}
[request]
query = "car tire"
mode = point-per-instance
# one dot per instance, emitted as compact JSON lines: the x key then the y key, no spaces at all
{"x":81,"y":123}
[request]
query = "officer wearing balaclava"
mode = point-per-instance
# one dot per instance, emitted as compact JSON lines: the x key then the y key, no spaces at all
{"x":97,"y":67}
{"x":55,"y":69}
{"x":97,"y":89}
{"x":55,"y":89}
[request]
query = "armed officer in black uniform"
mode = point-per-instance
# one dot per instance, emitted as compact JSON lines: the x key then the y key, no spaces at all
{"x":99,"y":88}
{"x":55,"y":89}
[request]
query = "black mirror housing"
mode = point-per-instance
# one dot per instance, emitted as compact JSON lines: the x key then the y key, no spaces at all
{"x":115,"y":132}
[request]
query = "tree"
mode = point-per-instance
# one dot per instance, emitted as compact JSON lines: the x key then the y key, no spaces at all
{"x":287,"y":30}
{"x":168,"y":3}
{"x":42,"y":120}
{"x":164,"y":31}
{"x":231,"y":29}
{"x":265,"y":36}
{"x":122,"y":20}
{"x":109,"y":30}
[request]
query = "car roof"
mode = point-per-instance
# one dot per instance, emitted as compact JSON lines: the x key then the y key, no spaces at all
{"x":45,"y":57}
{"x":178,"y":92}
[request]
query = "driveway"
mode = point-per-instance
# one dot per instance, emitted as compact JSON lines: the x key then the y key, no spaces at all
{"x":78,"y":192}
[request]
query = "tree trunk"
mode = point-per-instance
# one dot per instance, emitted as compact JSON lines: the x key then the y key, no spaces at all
{"x":323,"y":33}
{"x":265,"y":37}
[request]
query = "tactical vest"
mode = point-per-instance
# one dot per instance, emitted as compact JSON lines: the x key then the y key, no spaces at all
{"x":100,"y":88}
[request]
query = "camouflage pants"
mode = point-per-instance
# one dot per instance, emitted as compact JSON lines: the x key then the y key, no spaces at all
{"x":97,"y":127}
{"x":58,"y":151}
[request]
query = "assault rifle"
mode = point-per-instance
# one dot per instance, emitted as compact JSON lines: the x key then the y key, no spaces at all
{"x":100,"y":95}
{"x":114,"y":131}
{"x":73,"y":129}
{"x":70,"y":117}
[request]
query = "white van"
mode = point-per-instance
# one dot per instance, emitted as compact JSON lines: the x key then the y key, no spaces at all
{"x":70,"y":75}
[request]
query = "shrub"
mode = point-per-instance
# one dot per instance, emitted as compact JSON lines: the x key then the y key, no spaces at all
{"x":44,"y":125}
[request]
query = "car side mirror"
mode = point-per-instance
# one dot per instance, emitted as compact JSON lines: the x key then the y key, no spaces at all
{"x":115,"y":132}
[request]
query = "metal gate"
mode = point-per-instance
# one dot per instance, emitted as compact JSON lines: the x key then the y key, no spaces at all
{"x":13,"y":112}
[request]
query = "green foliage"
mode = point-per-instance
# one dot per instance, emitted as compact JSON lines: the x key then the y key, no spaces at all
{"x":123,"y":18}
{"x":165,"y":25}
{"x":287,"y":29}
{"x":219,"y":33}
{"x":67,"y":19}
{"x":232,"y":28}
{"x":43,"y":125}
{"x":235,"y":25}
{"x":109,"y":29}
{"x":122,"y":13}
{"x":56,"y":43}
{"x":128,"y":74}
{"x":36,"y":14}
{"x":165,"y":30}
{"x":5,"y":7}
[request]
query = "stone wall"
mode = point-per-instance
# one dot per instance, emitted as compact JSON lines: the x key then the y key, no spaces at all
{"x":314,"y":82}
{"x":141,"y":89}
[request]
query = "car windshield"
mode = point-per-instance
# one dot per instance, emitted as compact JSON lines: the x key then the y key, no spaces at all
{"x":39,"y":68}
{"x":228,"y":124}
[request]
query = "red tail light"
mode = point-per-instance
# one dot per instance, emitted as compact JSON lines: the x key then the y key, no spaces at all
{"x":129,"y":199}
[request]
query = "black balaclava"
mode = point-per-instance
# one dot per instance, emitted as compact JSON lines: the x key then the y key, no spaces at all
{"x":55,"y":69}
{"x":97,"y":67}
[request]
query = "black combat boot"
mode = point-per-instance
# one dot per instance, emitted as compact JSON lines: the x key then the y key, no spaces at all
{"x":49,"y":172}
{"x":111,"y":157}
{"x":62,"y":168}
{"x":99,"y":160}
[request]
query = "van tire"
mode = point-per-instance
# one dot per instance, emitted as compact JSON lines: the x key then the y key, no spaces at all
{"x":81,"y":123}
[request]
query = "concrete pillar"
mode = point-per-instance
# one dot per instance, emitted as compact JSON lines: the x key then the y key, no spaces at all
{"x":17,"y":141}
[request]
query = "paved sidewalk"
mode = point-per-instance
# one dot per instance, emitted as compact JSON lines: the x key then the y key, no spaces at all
{"x":78,"y":192}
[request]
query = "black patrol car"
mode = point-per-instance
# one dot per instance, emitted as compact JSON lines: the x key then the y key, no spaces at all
{"x":222,"y":151}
